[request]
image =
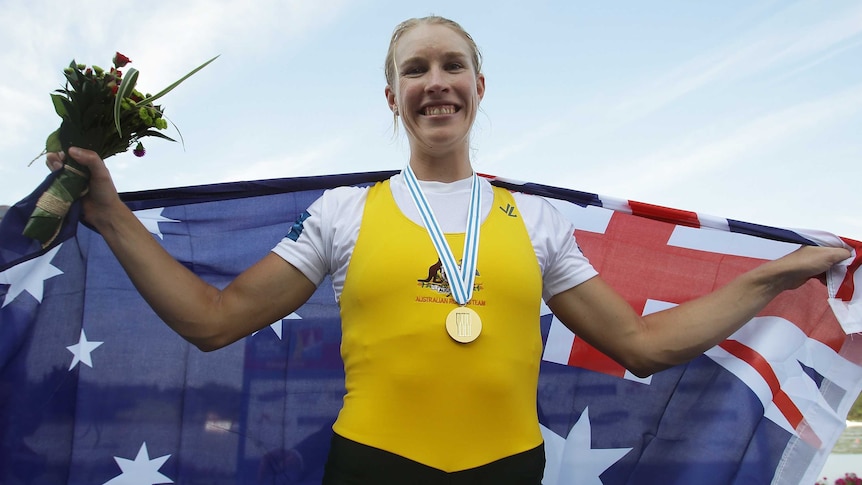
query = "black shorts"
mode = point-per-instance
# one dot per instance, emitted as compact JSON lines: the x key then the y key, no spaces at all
{"x":352,"y":463}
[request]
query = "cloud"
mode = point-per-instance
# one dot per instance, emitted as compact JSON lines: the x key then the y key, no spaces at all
{"x":305,"y":162}
{"x":165,"y":40}
{"x":14,"y":123}
{"x":819,"y":38}
{"x":775,"y":43}
{"x":523,"y":142}
{"x":179,"y":35}
{"x":703,"y":153}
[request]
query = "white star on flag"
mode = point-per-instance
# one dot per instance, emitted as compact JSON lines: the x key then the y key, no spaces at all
{"x":572,"y":460}
{"x":30,"y":276}
{"x":142,"y":471}
{"x":151,"y":218}
{"x":81,"y":351}
{"x":278,"y":326}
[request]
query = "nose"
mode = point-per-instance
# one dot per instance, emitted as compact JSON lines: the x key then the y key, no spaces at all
{"x":437,"y":81}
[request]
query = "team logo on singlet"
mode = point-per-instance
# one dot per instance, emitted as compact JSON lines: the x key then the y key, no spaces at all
{"x":438,"y":281}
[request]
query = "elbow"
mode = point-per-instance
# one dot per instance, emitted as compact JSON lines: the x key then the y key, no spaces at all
{"x":211,"y":342}
{"x":205,"y":345}
{"x":205,"y":334}
{"x":644,"y":366}
{"x":643,"y":355}
{"x":207,"y":342}
{"x":642,"y":369}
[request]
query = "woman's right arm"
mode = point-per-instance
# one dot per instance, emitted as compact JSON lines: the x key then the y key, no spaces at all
{"x":199,"y":312}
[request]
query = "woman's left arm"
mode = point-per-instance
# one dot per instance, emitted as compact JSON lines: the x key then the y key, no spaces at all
{"x":647,"y":344}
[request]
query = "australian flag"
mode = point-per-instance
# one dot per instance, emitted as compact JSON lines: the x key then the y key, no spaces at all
{"x":94,"y":389}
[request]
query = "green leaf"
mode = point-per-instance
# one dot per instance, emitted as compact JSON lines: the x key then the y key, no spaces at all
{"x":60,"y":105}
{"x":52,"y":144}
{"x":127,"y":85}
{"x":172,"y":86}
{"x":156,"y":134}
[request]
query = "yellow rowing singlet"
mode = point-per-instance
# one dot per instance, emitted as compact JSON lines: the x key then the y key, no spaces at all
{"x":411,"y":389}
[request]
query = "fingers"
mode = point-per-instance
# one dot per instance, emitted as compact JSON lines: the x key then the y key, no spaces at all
{"x":842,"y":254}
{"x":54,"y":160}
{"x":89,"y":158}
{"x":807,"y":262}
{"x":831,"y":256}
{"x":84,"y":157}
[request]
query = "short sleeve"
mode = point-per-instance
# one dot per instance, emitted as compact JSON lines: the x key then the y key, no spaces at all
{"x":321,"y":240}
{"x":563,"y":264}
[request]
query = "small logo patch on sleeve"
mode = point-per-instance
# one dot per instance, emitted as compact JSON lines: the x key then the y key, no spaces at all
{"x":297,"y":227}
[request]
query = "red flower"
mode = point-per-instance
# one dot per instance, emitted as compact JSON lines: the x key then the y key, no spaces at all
{"x":139,"y":150}
{"x":121,"y":60}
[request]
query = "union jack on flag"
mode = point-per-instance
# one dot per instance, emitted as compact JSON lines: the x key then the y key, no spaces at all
{"x":95,"y":389}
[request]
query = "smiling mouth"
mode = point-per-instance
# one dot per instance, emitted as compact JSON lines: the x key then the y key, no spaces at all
{"x":439,"y":110}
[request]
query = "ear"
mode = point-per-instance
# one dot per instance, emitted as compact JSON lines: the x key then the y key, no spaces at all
{"x":390,"y":99}
{"x":480,"y":86}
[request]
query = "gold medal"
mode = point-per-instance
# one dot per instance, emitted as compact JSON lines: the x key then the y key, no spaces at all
{"x":463,"y":324}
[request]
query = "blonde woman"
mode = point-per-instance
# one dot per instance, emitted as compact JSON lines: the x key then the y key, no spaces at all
{"x":439,"y":292}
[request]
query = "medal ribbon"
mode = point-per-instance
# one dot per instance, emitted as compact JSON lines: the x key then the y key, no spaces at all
{"x":461,"y":279}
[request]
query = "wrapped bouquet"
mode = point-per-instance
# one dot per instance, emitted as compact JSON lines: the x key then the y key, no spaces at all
{"x":101,"y":110}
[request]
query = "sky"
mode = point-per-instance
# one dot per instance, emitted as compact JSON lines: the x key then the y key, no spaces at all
{"x":749,"y":110}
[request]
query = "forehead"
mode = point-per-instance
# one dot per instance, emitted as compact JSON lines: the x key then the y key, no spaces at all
{"x":425,"y":40}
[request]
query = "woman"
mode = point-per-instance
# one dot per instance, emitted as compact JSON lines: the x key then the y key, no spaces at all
{"x":439,"y":388}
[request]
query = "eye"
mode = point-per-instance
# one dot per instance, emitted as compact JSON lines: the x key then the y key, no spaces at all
{"x":455,"y":66}
{"x":412,"y":71}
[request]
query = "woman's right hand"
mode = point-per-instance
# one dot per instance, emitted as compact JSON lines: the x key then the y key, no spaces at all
{"x":102,"y":196}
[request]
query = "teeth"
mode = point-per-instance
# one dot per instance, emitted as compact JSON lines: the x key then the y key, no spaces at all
{"x":439,"y":110}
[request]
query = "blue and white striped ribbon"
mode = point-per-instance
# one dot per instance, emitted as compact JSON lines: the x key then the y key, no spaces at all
{"x":461,"y":279}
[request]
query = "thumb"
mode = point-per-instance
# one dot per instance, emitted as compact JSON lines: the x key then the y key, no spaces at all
{"x":87,"y":158}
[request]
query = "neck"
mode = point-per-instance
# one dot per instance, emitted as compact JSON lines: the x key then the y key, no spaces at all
{"x":441,"y":167}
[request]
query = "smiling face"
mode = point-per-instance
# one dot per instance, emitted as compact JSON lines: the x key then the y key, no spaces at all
{"x":436,"y":88}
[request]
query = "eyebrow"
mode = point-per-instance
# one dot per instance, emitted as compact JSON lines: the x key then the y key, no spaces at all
{"x":446,"y":55}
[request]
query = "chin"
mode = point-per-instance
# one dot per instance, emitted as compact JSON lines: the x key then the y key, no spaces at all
{"x":443,"y":136}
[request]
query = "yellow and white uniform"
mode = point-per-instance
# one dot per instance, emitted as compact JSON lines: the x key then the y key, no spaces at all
{"x":411,"y":389}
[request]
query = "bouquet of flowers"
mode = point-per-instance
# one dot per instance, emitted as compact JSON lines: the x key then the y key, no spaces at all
{"x":849,"y":479}
{"x":101,"y":111}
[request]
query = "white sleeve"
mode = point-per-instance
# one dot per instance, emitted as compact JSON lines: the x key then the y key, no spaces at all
{"x":562,"y":263}
{"x":321,"y":240}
